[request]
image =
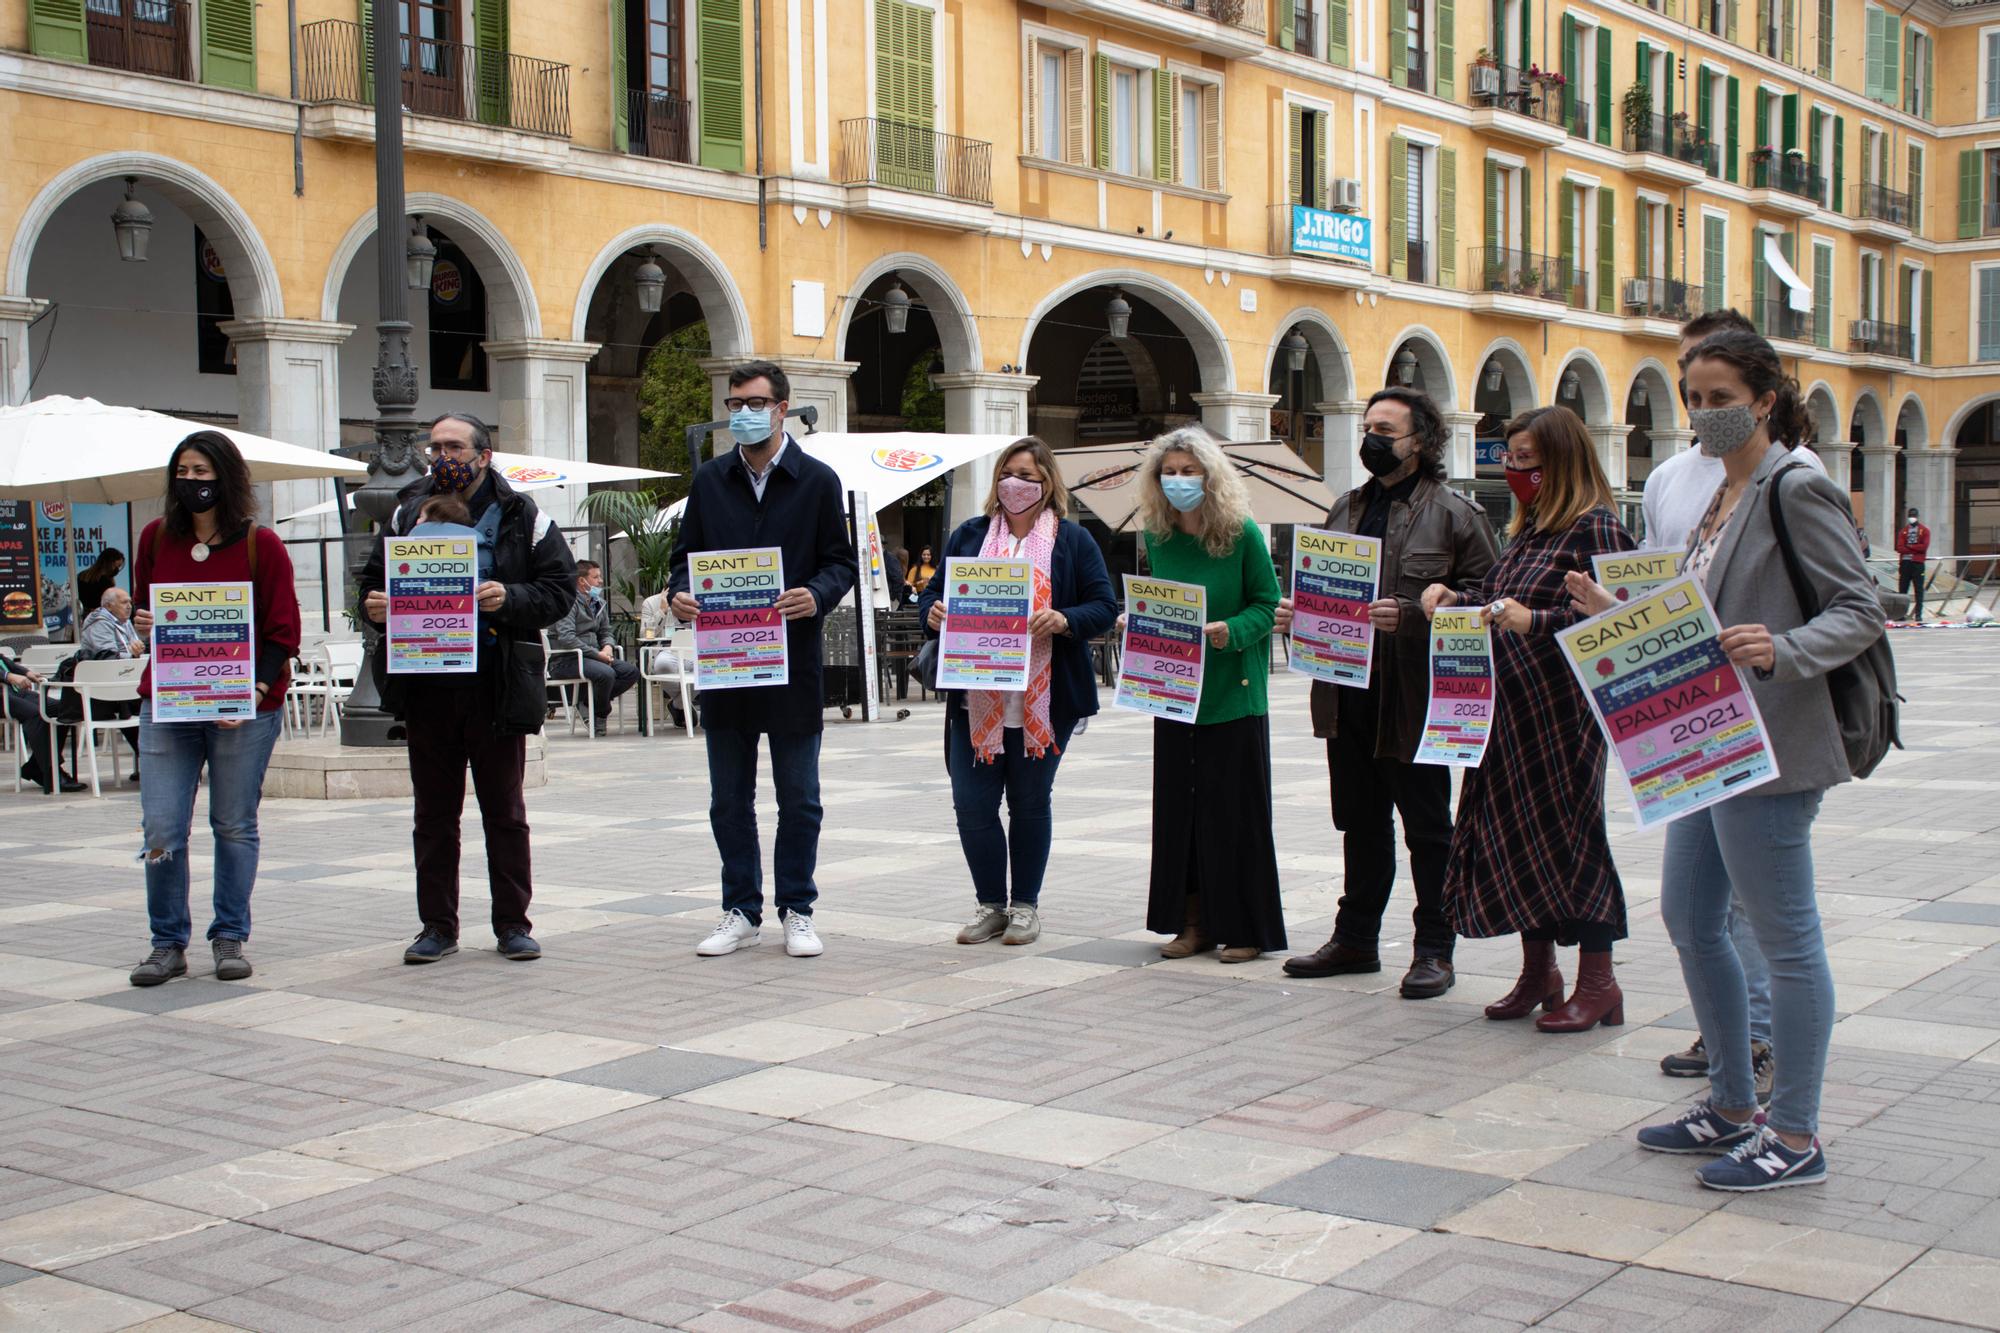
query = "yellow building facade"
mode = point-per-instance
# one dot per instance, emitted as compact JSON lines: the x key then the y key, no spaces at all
{"x":1092,"y":219}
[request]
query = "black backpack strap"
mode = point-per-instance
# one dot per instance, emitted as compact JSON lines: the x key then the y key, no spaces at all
{"x":1802,"y":588}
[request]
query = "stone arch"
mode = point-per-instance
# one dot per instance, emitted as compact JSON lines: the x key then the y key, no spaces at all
{"x":1204,"y":335}
{"x":707,"y":276}
{"x":1593,"y":400}
{"x":1957,"y":420}
{"x":930,"y":285}
{"x":1329,"y":349}
{"x":1874,"y":432}
{"x":510,"y":294}
{"x":1824,"y":409}
{"x":253,"y":278}
{"x":1918,"y":424}
{"x":1661,"y":396}
{"x":1516,"y":369}
{"x":1432,"y":360}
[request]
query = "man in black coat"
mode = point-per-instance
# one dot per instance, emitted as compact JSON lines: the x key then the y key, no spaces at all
{"x":527,"y":580}
{"x":767,"y":492}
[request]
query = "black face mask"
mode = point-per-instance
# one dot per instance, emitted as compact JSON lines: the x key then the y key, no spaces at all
{"x":1378,"y":454}
{"x":195,"y":495}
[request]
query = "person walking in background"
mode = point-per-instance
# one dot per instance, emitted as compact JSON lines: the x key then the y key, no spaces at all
{"x":480,"y":720}
{"x":1756,"y":848}
{"x":1913,"y":547}
{"x":208,"y":533}
{"x":920,"y":572}
{"x":586,"y":631}
{"x":1530,"y":855}
{"x":1429,"y":534}
{"x":1009,"y":743}
{"x":100,"y":578}
{"x":768,"y":492}
{"x":1215,"y":866}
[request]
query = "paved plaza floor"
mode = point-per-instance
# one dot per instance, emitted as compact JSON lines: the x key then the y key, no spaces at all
{"x":907,"y":1134}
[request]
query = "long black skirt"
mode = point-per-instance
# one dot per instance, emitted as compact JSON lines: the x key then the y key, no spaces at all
{"x":1212,"y":832}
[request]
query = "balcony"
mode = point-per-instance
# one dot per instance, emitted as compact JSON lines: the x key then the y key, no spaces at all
{"x":141,"y":36}
{"x":1303,"y":36}
{"x":1521,"y":105}
{"x":1516,"y":282}
{"x":1239,"y":28}
{"x":445,"y":80}
{"x":1990,"y":217}
{"x":884,"y":163}
{"x":1785,"y":183}
{"x":1661,"y":305}
{"x":1417,"y":70}
{"x":657,"y":126}
{"x":1873,"y":337}
{"x":1665,"y":148}
{"x":1776,"y":320}
{"x":1318,"y":246}
{"x":1882,"y":212}
{"x":1577,"y":115}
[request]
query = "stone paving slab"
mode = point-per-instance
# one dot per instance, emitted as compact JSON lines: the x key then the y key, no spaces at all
{"x":907,"y":1134}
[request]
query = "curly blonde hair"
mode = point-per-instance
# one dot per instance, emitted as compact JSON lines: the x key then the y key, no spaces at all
{"x":1225,"y":504}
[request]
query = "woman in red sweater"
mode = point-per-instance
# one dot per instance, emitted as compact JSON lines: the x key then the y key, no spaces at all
{"x":209,"y":534}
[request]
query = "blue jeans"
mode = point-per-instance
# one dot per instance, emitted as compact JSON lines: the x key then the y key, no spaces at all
{"x":732,"y":815}
{"x":1758,"y":849}
{"x":173,"y":754}
{"x":976,"y":788}
{"x":1756,"y":971}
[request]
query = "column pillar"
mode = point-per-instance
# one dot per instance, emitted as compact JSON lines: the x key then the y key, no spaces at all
{"x":1461,"y":455}
{"x":1930,"y":476}
{"x":1340,"y":464}
{"x":978,"y":402}
{"x":1234,"y":415}
{"x":823,"y":384}
{"x":542,"y":383}
{"x":1668,"y":441}
{"x":1610,"y":442}
{"x":1879,"y":498}
{"x":16,"y":313}
{"x":1838,"y":455}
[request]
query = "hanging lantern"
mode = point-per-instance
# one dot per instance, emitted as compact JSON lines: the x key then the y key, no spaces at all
{"x":1118,"y":315}
{"x":650,"y":281}
{"x":1406,"y":367}
{"x":1493,"y":377}
{"x":1638,"y":395}
{"x":1570,"y":385}
{"x":896,"y":307}
{"x":419,"y":256}
{"x":133,"y":222}
{"x":1295,"y":349}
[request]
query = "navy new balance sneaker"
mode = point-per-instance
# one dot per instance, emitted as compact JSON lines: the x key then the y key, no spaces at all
{"x":1765,"y":1163}
{"x":1699,"y":1129}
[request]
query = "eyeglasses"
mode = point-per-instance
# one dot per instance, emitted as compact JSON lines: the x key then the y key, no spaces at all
{"x":754,"y":404}
{"x":440,"y":448}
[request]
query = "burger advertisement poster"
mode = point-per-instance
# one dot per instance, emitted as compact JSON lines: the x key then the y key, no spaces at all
{"x":20,"y":570}
{"x":93,"y":527}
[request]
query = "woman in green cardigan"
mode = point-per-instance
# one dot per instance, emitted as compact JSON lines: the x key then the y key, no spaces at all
{"x":1215,"y":866}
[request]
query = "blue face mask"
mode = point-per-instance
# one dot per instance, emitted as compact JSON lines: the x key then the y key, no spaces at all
{"x":747,"y":427}
{"x":596,"y":595}
{"x":1183,"y":493}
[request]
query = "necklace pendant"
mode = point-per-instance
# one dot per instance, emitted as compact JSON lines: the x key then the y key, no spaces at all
{"x":200,"y":551}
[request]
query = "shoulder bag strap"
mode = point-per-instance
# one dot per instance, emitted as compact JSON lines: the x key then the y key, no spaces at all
{"x":1802,"y":588}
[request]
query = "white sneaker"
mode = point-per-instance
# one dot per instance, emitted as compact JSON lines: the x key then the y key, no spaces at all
{"x":731,"y":933}
{"x":801,"y":940}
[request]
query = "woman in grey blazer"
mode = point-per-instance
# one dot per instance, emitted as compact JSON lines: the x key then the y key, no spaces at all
{"x":1759,"y":845}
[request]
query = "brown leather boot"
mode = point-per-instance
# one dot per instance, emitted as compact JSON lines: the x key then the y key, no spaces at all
{"x":1190,"y":941}
{"x":1596,"y":999}
{"x":1541,"y":983}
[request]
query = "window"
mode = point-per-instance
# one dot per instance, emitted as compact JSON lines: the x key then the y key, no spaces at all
{"x":1714,"y":261}
{"x":1916,"y":154}
{"x":1305,"y":179}
{"x":1989,"y":314}
{"x":458,"y":321}
{"x":1126,"y":122}
{"x":1419,"y":216}
{"x":1990,"y":46}
{"x":1510,"y":207}
{"x":1654,"y":222}
{"x":1825,"y":39}
{"x":1577,"y":206}
{"x":1769,"y":40}
{"x":1884,"y":54}
{"x":1054,"y":101}
{"x":1871,"y":285}
{"x":1189,"y":114}
{"x":1197,"y":127}
{"x":1416,"y":41}
{"x":1874,"y":156}
{"x":1423,"y":208}
{"x":1710,"y":16}
{"x":1822,"y":281}
{"x":1909,"y":302}
{"x":1917,"y":74}
{"x":1049,"y":103}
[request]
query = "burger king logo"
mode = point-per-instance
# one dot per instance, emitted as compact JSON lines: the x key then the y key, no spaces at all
{"x":905,"y":460}
{"x":1108,"y":478}
{"x":530,"y":473}
{"x":55,"y":510}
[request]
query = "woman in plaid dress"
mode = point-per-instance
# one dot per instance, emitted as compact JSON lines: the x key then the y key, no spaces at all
{"x":1529,"y":854}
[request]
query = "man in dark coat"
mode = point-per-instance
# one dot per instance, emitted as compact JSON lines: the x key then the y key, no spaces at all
{"x":527,"y":580}
{"x":767,"y":492}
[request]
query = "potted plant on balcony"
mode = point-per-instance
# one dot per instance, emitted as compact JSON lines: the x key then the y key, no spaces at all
{"x":1638,"y":109}
{"x":1225,"y":11}
{"x":1485,"y":59}
{"x":1528,"y":281}
{"x":1762,"y":154}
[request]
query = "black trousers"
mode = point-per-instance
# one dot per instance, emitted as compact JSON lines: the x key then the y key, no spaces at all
{"x":448,"y":730}
{"x":25,"y":709}
{"x":611,"y":679}
{"x":1910,"y":579}
{"x":1365,"y":792}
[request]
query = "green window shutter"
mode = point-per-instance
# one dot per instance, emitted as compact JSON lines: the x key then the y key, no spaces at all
{"x":1917,"y":191}
{"x":1930,"y":105}
{"x":229,"y":43}
{"x":1101,"y":80}
{"x":1446,"y":84}
{"x":1447,"y":267}
{"x":1288,"y":25}
{"x":1670,"y":80}
{"x":1969,"y":206}
{"x":905,"y":96}
{"x":1757,"y":279}
{"x":1527,"y":203}
{"x":1399,"y":204}
{"x":490,"y":36}
{"x":1871,"y":79}
{"x":621,"y":129}
{"x":1336,"y":31}
{"x":1642,"y":255}
{"x":1788,"y":117}
{"x":1892,"y":57}
{"x":367,"y":52}
{"x":1924,"y":331}
{"x":1295,"y":154}
{"x":1399,"y":60}
{"x":1701,"y":82}
{"x":1493,"y":238}
{"x":56,"y":30}
{"x":1604,"y":85}
{"x":1714,"y":276}
{"x":1790,"y":29}
{"x":1909,"y":88}
{"x":1319,"y":197}
{"x":1839,"y":163}
{"x":1815,"y":120}
{"x":1729,"y":130}
{"x":719,"y":52}
{"x":1163,"y":125}
{"x":1566,"y":234}
{"x":1642,"y":64}
{"x":1822,"y":296}
{"x":1729,"y":23}
{"x":1607,"y":250}
{"x":1527,"y":34}
{"x":1571,"y":72}
{"x":1763,"y":23}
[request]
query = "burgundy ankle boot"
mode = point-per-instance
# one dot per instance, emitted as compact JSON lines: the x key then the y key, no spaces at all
{"x":1596,"y":999}
{"x":1541,"y":983}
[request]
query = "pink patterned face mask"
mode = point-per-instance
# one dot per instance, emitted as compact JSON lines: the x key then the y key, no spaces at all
{"x":1018,"y":495}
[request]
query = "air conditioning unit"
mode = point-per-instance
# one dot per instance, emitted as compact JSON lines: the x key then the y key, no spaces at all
{"x":1346,"y":195}
{"x":1485,"y":81}
{"x":1865,"y":332}
{"x":1638,"y":293}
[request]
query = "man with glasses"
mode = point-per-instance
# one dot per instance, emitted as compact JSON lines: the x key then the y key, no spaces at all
{"x":527,"y":580}
{"x":1430,"y":534}
{"x":767,"y":492}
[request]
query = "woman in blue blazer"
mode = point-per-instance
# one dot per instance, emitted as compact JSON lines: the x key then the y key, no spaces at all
{"x":1010,"y":742}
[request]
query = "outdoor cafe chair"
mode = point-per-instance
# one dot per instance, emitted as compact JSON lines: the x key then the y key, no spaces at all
{"x":669,"y":664}
{"x":96,"y":684}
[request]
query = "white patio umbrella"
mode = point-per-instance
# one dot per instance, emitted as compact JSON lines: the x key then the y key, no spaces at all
{"x":527,"y":472}
{"x":81,"y":451}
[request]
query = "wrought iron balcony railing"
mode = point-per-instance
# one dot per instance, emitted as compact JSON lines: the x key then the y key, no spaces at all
{"x":658,"y":125}
{"x":1670,"y":137}
{"x":1787,"y":173}
{"x":1521,"y":91}
{"x":875,"y":151}
{"x":443,"y":79}
{"x":1775,"y":318}
{"x":1660,"y":298}
{"x":1517,"y":272}
{"x":1882,"y":203}
{"x":1881,"y":338}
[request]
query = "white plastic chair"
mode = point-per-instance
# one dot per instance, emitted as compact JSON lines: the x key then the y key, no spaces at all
{"x":42,"y":658}
{"x":565,"y":674}
{"x":96,"y":683}
{"x":669,"y":663}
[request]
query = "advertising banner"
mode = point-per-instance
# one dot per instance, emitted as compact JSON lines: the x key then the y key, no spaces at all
{"x":1326,"y":235}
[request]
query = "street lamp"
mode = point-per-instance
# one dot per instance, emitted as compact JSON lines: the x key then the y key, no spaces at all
{"x":1493,"y":377}
{"x":1295,"y":350}
{"x":1638,"y":395}
{"x":133,"y":222}
{"x":1406,"y":367}
{"x":1118,"y":315}
{"x":650,"y":281}
{"x":1570,"y":386}
{"x":419,"y":256}
{"x":896,"y":307}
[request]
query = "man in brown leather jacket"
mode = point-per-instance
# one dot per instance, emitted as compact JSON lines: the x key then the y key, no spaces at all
{"x":1430,"y":534}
